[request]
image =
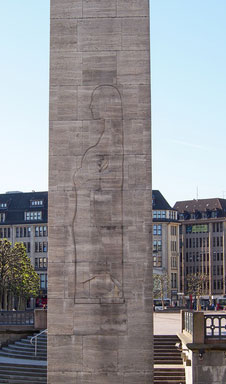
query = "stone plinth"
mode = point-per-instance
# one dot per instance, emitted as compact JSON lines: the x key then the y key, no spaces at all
{"x":100,"y":266}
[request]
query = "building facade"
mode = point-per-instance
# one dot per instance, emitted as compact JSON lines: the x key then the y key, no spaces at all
{"x":166,"y":242}
{"x":202,"y":243}
{"x":24,"y":218}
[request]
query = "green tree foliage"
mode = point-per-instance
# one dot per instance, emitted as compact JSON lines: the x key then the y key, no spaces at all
{"x":160,"y":286}
{"x":18,"y":278}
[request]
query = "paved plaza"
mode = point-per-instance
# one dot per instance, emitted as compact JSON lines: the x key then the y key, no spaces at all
{"x":166,"y":323}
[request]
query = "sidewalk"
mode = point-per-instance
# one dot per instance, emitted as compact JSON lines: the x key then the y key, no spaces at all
{"x":166,"y":323}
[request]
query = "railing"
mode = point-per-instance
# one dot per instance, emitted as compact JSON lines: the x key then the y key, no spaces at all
{"x":215,"y":326}
{"x":188,"y":322}
{"x":17,"y":317}
{"x":35,"y":338}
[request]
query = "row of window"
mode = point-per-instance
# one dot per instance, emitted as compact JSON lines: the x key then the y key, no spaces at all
{"x":32,"y":215}
{"x":41,"y":246}
{"x":217,"y":227}
{"x":198,"y":215}
{"x":197,"y":269}
{"x":165,"y":215}
{"x":196,"y":257}
{"x":218,"y":241}
{"x":28,"y":216}
{"x":218,"y":270}
{"x":4,"y":233}
{"x":218,"y":284}
{"x":40,"y":231}
{"x":36,"y":203}
{"x":23,"y":232}
{"x":41,"y":262}
{"x":197,"y":242}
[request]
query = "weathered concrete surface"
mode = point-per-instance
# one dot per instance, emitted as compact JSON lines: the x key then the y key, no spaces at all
{"x":100,"y":266}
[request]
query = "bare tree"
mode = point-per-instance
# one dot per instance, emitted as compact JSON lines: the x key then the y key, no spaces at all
{"x":160,"y":286}
{"x":197,"y":286}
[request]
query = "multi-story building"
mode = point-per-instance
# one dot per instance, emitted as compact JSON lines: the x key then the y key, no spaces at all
{"x":202,"y":243}
{"x":166,"y":242}
{"x":24,"y":218}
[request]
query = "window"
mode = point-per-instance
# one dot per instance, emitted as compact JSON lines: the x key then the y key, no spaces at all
{"x":173,"y":262}
{"x":173,"y":246}
{"x":2,"y":217}
{"x":157,"y":260}
{"x":45,"y":246}
{"x":173,"y":280}
{"x":41,"y":231}
{"x":41,"y":263}
{"x":157,"y":246}
{"x":43,"y":281}
{"x":4,"y":233}
{"x":30,"y":216}
{"x":173,"y":230}
{"x":3,"y":205}
{"x":36,"y":246}
{"x":36,"y":203}
{"x":45,"y":233}
{"x":27,"y":246}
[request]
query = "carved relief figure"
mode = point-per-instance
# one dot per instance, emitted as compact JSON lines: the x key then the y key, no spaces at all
{"x":98,"y":186}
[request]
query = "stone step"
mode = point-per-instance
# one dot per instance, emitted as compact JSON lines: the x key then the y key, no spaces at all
{"x":22,"y":356}
{"x":22,"y":372}
{"x":28,"y":348}
{"x":21,"y":381}
{"x":9,"y":376}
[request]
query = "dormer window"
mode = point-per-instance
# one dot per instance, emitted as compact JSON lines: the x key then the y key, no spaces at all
{"x":34,"y":215}
{"x":36,"y":203}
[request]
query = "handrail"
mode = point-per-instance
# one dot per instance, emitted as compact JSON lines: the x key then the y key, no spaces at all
{"x":36,"y":339}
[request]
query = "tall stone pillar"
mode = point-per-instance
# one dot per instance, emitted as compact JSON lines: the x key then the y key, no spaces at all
{"x":100,"y":267}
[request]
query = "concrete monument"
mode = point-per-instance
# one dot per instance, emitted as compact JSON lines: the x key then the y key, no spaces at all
{"x":100,"y":266}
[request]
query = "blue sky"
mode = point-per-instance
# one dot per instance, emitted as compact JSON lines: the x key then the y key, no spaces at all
{"x":188,"y":61}
{"x":188,"y":58}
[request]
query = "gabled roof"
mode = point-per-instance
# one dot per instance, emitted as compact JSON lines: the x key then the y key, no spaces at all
{"x":159,"y":202}
{"x":19,"y":202}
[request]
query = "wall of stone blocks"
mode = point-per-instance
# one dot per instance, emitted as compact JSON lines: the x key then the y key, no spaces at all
{"x":100,"y":266}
